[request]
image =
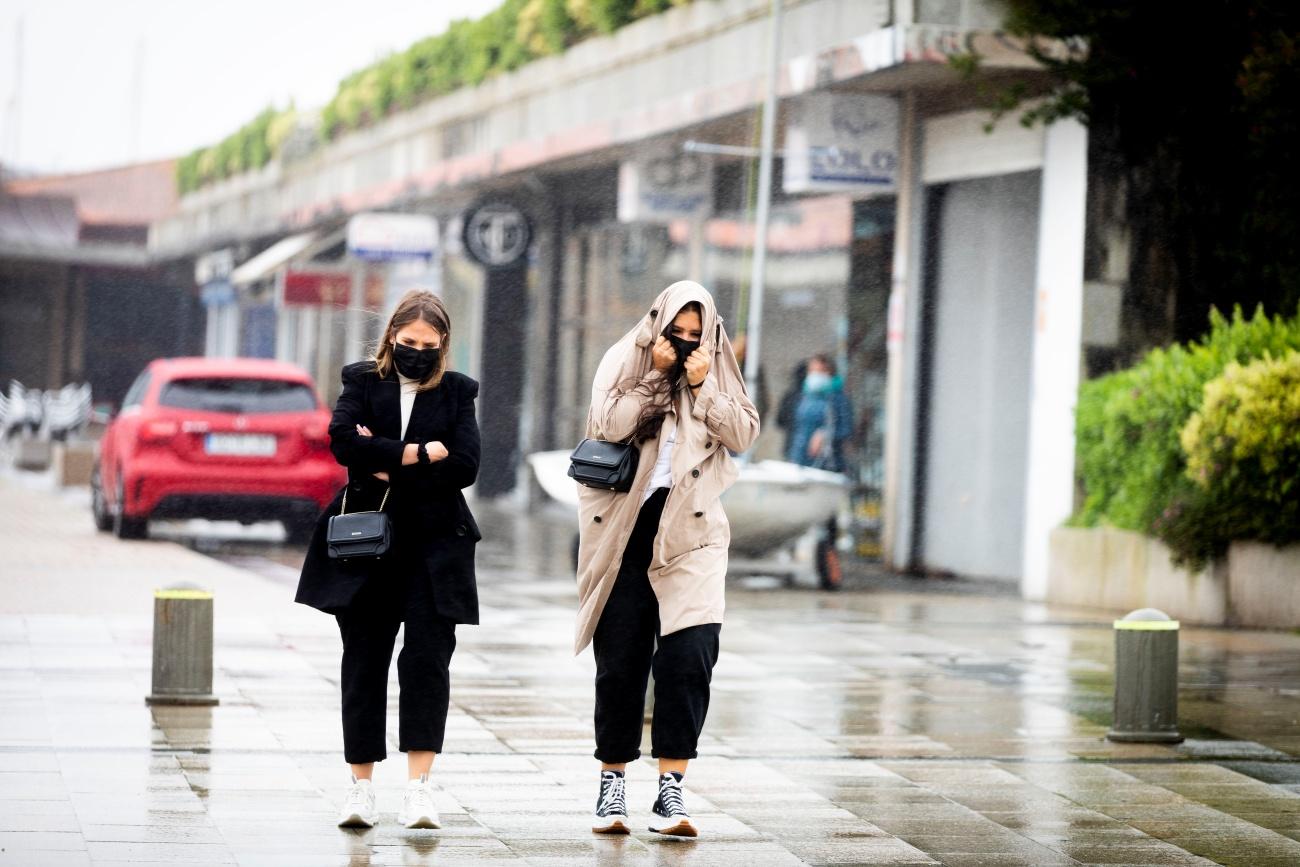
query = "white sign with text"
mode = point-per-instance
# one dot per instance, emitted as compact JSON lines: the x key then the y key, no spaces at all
{"x":842,"y":142}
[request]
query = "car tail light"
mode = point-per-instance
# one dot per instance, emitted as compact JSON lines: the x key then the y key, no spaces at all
{"x":158,"y":430}
{"x":316,"y":434}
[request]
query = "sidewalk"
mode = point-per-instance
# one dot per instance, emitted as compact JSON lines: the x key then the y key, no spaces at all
{"x":853,"y":728}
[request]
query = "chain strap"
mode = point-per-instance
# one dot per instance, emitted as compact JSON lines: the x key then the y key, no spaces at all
{"x":382,"y":502}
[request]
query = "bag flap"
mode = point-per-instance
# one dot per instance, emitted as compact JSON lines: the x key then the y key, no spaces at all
{"x":600,"y":453}
{"x":356,"y":525}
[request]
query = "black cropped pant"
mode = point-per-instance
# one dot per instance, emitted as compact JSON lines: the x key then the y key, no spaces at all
{"x":369,"y":629}
{"x":625,"y":649}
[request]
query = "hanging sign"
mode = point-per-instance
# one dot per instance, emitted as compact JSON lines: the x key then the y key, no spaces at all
{"x":379,"y":237}
{"x":496,"y":234}
{"x":663,"y":183}
{"x":842,"y":142}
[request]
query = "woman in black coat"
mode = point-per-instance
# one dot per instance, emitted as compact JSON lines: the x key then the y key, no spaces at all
{"x":404,"y":425}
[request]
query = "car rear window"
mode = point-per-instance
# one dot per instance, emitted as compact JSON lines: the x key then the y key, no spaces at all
{"x":234,"y":395}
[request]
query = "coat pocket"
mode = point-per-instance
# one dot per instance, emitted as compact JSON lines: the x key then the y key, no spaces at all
{"x":700,"y":523}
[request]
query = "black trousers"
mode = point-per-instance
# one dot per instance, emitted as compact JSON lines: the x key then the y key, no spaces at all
{"x":369,"y":628}
{"x":624,"y":645}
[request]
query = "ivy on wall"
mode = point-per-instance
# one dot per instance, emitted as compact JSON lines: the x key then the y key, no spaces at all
{"x":465,"y":54}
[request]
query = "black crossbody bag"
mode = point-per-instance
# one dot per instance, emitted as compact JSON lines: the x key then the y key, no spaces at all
{"x":605,"y":465}
{"x":360,"y":534}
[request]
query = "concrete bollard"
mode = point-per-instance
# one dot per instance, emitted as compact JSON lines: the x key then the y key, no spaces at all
{"x":1146,"y":679}
{"x":182,"y":646}
{"x":73,"y":463}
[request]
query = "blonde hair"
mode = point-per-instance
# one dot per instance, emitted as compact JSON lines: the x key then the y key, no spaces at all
{"x":422,"y":305}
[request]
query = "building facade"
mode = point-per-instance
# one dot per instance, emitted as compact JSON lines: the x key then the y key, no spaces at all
{"x":940,"y":264}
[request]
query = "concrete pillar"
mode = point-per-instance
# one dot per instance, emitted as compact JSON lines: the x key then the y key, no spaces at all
{"x":1058,"y":322}
{"x":354,"y":340}
{"x":903,"y":344}
{"x":56,"y":342}
{"x":284,"y":323}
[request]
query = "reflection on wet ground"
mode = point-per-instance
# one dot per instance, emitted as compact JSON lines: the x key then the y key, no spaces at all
{"x":882,"y":725}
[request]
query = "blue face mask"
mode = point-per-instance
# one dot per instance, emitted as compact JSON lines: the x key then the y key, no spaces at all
{"x":816,"y":381}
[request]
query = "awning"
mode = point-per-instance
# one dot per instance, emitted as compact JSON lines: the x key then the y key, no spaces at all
{"x":39,"y":221}
{"x":265,"y":262}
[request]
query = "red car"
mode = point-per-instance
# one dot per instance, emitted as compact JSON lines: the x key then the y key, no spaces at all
{"x":221,"y":438}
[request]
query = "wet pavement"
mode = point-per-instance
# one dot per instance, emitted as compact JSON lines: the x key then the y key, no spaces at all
{"x":880,"y":725}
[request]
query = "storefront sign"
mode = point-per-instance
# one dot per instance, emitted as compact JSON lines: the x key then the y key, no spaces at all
{"x":216,"y":265}
{"x":380,"y":237}
{"x":842,"y":142}
{"x":328,"y":288}
{"x":215,"y":293}
{"x":496,"y":234}
{"x":664,"y":183}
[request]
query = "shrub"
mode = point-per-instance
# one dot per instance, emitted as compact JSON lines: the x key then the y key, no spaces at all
{"x":1130,"y":459}
{"x":1243,"y":462}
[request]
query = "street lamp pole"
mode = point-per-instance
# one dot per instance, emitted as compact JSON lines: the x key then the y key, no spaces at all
{"x":754,"y":321}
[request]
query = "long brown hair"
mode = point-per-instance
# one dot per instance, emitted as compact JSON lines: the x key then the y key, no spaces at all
{"x":652,"y":414}
{"x":426,"y":307}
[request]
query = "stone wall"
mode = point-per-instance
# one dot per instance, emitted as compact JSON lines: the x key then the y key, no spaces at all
{"x":1256,"y":585}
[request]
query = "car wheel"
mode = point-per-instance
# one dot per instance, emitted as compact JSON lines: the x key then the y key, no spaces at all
{"x":98,"y":506}
{"x":125,"y":526}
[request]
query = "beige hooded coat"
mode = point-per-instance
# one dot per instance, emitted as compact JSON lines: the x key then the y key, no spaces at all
{"x":689,"y":564}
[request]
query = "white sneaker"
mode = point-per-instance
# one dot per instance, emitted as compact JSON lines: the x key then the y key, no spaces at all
{"x":417,"y":805}
{"x":359,"y":806}
{"x":668,"y":815}
{"x":611,"y":805}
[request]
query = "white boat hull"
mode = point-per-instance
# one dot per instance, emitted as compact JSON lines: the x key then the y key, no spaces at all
{"x":771,"y":504}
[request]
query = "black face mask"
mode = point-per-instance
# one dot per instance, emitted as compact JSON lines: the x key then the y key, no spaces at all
{"x":414,"y":363}
{"x":684,"y":349}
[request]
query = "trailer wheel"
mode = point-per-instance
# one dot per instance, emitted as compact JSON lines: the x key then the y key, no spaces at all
{"x":830,"y":575}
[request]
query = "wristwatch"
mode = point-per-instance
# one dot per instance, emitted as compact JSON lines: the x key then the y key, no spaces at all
{"x":422,"y":451}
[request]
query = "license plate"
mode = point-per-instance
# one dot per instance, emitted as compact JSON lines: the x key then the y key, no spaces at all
{"x":242,"y":445}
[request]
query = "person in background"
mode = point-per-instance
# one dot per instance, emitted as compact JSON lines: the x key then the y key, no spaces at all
{"x":823,"y":419}
{"x":822,"y":429}
{"x":790,"y":402}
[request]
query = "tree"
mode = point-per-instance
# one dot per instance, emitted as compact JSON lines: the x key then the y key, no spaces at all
{"x":1194,"y":105}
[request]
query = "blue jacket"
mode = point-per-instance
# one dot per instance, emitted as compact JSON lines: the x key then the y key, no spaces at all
{"x":829,"y":410}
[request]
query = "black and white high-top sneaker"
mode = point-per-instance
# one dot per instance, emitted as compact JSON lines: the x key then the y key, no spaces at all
{"x":611,"y":805}
{"x":670,"y":816}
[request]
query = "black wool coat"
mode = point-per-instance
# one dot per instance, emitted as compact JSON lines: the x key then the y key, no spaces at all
{"x":434,"y":533}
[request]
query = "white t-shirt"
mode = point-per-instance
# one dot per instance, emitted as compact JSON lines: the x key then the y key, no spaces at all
{"x":408,"y":399}
{"x":662,"y":477}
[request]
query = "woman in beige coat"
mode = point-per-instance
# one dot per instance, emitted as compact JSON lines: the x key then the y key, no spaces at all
{"x":652,"y":562}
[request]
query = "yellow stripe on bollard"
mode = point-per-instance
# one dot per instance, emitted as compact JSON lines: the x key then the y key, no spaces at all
{"x":1147,"y":625}
{"x":182,"y":594}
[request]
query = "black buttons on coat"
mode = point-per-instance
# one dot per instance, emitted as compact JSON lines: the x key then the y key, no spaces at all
{"x":695,"y":473}
{"x":461,"y":529}
{"x":596,"y":519}
{"x":699,"y":514}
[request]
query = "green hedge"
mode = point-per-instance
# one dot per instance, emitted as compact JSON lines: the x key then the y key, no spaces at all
{"x":1130,"y":456}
